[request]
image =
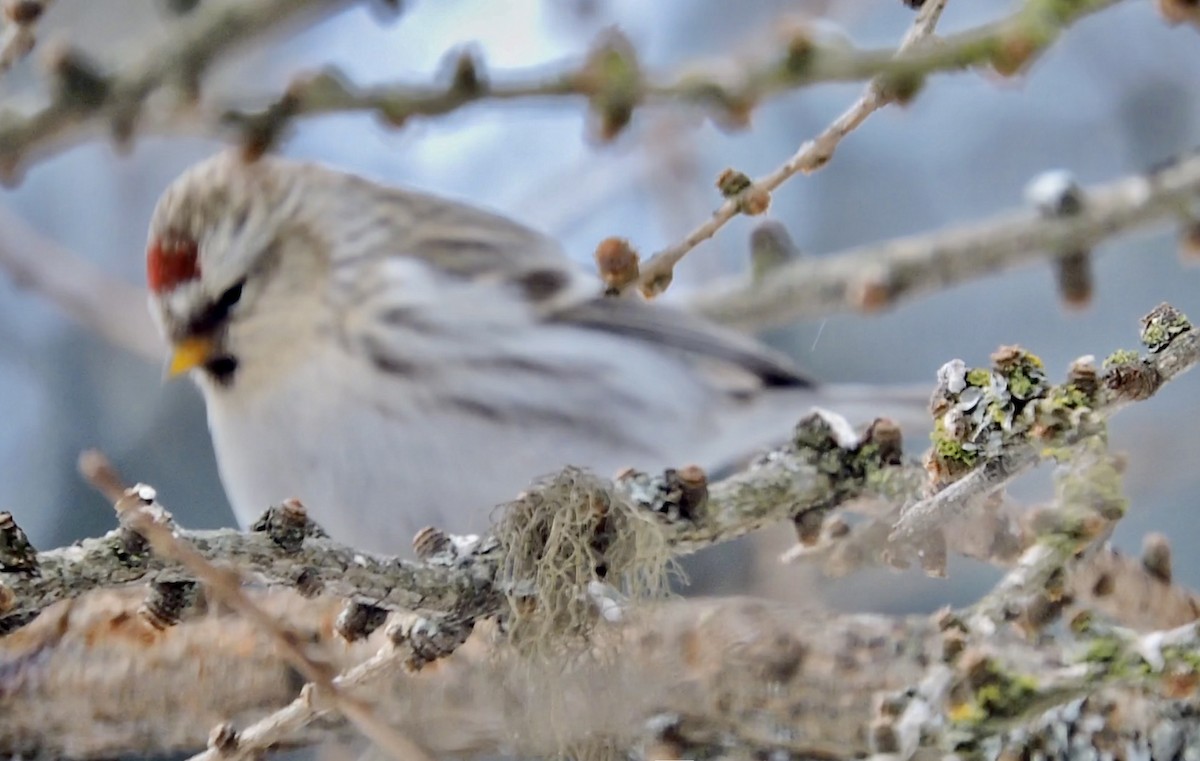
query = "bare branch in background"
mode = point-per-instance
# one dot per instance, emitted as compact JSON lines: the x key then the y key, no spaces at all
{"x":95,"y":300}
{"x":877,"y":276}
{"x":17,"y":37}
{"x":87,"y":99}
{"x":610,"y":79}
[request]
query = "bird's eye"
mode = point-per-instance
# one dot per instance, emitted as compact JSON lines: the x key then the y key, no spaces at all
{"x":229,"y":299}
{"x":217,"y":312}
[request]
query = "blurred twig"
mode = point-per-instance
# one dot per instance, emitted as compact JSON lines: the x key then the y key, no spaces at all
{"x":86,"y":97}
{"x":17,"y":37}
{"x":884,"y":274}
{"x":96,"y":300}
{"x":610,"y":79}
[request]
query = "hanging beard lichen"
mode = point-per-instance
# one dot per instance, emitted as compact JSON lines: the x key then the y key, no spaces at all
{"x":566,"y":532}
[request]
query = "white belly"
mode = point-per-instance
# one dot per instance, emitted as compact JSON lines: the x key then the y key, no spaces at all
{"x":374,"y":467}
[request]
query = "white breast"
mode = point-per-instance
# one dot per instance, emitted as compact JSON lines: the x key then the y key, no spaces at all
{"x":376,"y":458}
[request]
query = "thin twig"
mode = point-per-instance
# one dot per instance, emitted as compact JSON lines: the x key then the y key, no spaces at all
{"x":139,"y":512}
{"x":87,"y":294}
{"x":811,"y":156}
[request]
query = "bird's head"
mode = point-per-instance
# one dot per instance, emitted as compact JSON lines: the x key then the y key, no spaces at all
{"x":232,"y":263}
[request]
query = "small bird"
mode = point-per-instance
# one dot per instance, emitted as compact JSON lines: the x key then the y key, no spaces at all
{"x":397,"y":360}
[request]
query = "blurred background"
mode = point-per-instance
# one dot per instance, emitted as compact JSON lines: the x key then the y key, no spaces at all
{"x":1115,"y":95}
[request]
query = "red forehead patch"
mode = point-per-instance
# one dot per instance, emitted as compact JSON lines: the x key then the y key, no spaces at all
{"x":171,"y":260}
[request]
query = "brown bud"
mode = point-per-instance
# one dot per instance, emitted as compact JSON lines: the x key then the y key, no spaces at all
{"x":16,"y":552}
{"x":954,"y":642}
{"x":1073,"y":273}
{"x":612,"y":79}
{"x":431,"y":541}
{"x":754,"y":201}
{"x":884,"y":738}
{"x":357,"y":620}
{"x":1104,"y":585}
{"x":1013,"y":54}
{"x":429,"y":640}
{"x":1180,"y":11}
{"x":888,"y":439}
{"x":1134,"y":381}
{"x":7,"y":598}
{"x":1040,"y":612}
{"x":870,"y":294}
{"x":1083,"y":375}
{"x":693,"y":490}
{"x":771,"y":247}
{"x":1189,"y":243}
{"x":1156,"y":557}
{"x":166,"y":602}
{"x":466,"y":73}
{"x":224,"y":739}
{"x":732,"y":182}
{"x":808,"y":526}
{"x":286,"y":524}
{"x":617,"y":262}
{"x":23,"y":11}
{"x":78,"y":79}
{"x":308,"y":583}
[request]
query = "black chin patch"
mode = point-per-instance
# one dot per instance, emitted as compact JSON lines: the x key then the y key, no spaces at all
{"x":222,"y":368}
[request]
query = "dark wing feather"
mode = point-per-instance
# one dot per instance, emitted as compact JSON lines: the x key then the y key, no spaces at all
{"x":676,"y":329}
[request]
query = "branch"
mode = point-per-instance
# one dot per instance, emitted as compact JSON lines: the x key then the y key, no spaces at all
{"x":658,"y":271}
{"x":881,"y":275}
{"x":87,"y":98}
{"x":610,"y":79}
{"x":463,"y":582}
{"x":94,"y":299}
{"x":140,"y":513}
{"x":18,"y":36}
{"x":1176,"y":348}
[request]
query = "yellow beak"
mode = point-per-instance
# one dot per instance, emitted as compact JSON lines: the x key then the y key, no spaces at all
{"x":190,"y":353}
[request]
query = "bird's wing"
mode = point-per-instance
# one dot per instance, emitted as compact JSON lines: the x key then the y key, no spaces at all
{"x":675,"y":329}
{"x":477,"y":245}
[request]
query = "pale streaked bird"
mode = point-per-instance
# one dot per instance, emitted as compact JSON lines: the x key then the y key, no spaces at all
{"x":397,"y":360}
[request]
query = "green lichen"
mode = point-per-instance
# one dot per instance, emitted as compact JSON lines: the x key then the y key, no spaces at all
{"x":979,"y":376}
{"x":1161,"y":326}
{"x":1021,"y":385}
{"x":1121,"y":357}
{"x":948,"y":449}
{"x":999,"y":695}
{"x":1103,"y":650}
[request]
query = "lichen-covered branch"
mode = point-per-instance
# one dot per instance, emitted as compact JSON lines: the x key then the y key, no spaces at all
{"x":462,"y":581}
{"x":1047,"y":424}
{"x":876,"y":276}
